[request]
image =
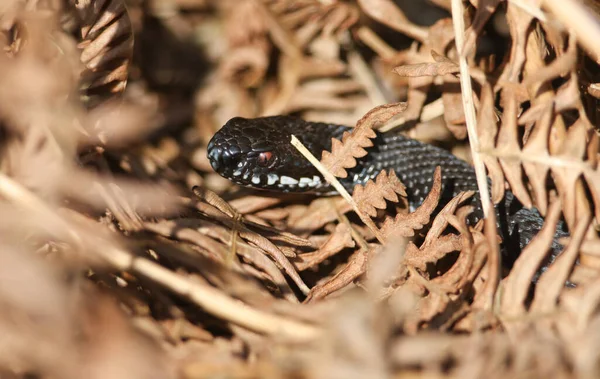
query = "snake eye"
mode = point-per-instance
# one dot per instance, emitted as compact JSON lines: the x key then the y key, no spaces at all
{"x":265,"y":158}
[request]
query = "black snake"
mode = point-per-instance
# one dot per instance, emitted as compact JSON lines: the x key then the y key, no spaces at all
{"x":257,"y":153}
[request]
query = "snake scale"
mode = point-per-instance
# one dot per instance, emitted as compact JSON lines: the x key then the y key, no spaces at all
{"x":257,"y":153}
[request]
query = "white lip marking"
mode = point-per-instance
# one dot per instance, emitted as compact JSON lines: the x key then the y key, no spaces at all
{"x":256,"y":179}
{"x":246,"y":175}
{"x":305,"y":181}
{"x":237,"y":173}
{"x":272,"y":179}
{"x":286,"y":180}
{"x":314,"y":182}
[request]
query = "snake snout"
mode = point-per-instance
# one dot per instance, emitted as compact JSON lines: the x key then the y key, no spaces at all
{"x":213,"y":157}
{"x":214,"y":154}
{"x":223,"y":157}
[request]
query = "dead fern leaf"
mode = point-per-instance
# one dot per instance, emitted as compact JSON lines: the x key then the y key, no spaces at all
{"x":592,"y":177}
{"x":343,"y":154}
{"x":518,"y":21}
{"x":213,"y":211}
{"x":253,"y":203}
{"x":374,"y":194}
{"x":551,"y":282}
{"x":436,"y":246}
{"x":419,"y":257}
{"x":487,"y":129}
{"x":447,"y":216}
{"x":548,"y":145}
{"x":568,"y":178}
{"x":320,"y":212}
{"x":485,"y":10}
{"x":386,"y":12}
{"x":326,"y":18}
{"x":516,"y":285}
{"x":248,"y":56}
{"x":458,"y":280}
{"x":442,"y":66}
{"x":340,"y":17}
{"x":508,"y":143}
{"x":340,"y":239}
{"x":212,"y":241}
{"x":355,"y":268}
{"x":537,"y":145}
{"x":106,"y":48}
{"x":464,"y":271}
{"x":454,"y":113}
{"x":406,"y":224}
{"x":446,"y":298}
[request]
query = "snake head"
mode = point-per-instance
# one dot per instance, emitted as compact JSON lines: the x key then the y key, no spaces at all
{"x":257,"y":153}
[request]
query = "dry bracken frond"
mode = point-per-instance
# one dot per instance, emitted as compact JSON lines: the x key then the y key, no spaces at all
{"x":374,"y":194}
{"x":406,"y":224}
{"x":124,"y":255}
{"x":106,"y":43}
{"x":343,"y":154}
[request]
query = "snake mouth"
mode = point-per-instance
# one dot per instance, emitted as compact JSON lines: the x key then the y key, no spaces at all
{"x":226,"y":164}
{"x":261,"y":158}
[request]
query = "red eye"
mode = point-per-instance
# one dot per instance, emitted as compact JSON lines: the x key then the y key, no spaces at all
{"x":265,"y":158}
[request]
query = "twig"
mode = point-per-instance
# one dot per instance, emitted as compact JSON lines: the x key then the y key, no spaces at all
{"x":338,"y":187}
{"x":471,"y":121}
{"x":469,"y":107}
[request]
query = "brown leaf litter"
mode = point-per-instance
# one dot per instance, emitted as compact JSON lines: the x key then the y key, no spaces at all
{"x":124,"y":256}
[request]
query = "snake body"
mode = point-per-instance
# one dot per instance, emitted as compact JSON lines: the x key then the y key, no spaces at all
{"x":257,"y":153}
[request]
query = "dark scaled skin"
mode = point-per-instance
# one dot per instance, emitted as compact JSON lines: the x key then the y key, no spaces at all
{"x":414,"y":162}
{"x":240,"y":142}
